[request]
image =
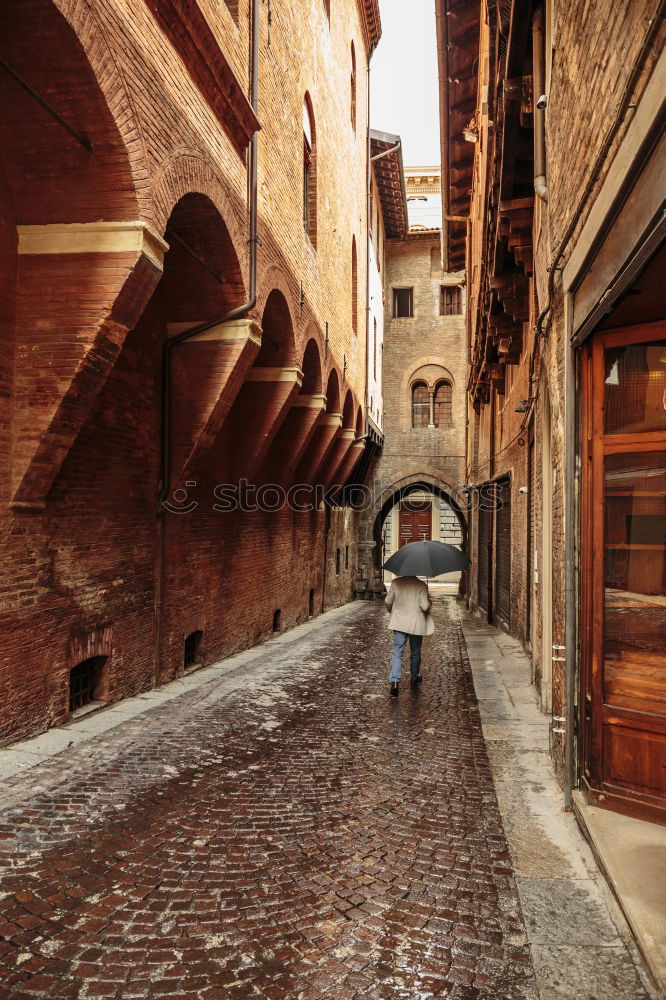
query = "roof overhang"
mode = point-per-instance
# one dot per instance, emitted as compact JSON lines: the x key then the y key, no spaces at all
{"x":371,"y":22}
{"x":390,"y":179}
{"x":457,"y":53}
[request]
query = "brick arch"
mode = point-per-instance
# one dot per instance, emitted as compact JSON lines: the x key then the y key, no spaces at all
{"x":274,"y":279}
{"x":190,"y":293}
{"x":83,"y":20}
{"x":348,"y":410}
{"x":66,"y":190}
{"x":309,"y":330}
{"x":56,"y":177}
{"x":311,"y":368}
{"x":333,"y":398}
{"x":278,"y":347}
{"x":187,"y":171}
{"x":360,"y":421}
{"x":374,"y":515}
{"x":404,"y":396}
{"x":421,"y":374}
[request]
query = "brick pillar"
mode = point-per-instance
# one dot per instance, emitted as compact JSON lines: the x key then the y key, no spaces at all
{"x":326,"y":431}
{"x":343,"y":443}
{"x":207,"y":374}
{"x":261,"y":408}
{"x":293,"y":438}
{"x":80,"y":288}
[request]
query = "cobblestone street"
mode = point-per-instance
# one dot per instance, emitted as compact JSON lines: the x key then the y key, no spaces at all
{"x":284,"y":830}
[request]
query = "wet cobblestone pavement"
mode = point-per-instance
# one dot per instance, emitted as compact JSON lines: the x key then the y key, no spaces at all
{"x":289,"y":834}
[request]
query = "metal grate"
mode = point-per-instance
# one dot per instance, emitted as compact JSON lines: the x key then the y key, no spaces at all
{"x":83,"y":681}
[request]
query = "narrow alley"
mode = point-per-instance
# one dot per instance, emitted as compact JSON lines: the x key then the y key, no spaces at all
{"x":275,"y":826}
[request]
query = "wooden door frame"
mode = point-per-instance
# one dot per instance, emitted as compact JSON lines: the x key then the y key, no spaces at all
{"x":594,"y":446}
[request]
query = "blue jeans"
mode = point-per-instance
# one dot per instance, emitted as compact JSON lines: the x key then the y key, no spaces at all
{"x":399,"y":643}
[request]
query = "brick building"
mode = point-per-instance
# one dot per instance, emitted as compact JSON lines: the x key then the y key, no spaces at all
{"x":183,"y":209}
{"x":553,"y":164}
{"x":418,"y":477}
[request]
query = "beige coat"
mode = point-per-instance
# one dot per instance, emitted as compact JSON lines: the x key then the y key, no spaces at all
{"x":409,"y":601}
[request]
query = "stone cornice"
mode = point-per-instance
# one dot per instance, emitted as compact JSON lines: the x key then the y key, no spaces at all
{"x":191,"y":36}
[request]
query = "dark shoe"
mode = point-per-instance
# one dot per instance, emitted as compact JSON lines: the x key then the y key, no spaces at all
{"x":393,"y":690}
{"x":414,"y":681}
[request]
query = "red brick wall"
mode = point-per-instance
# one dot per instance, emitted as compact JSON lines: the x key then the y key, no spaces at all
{"x":92,"y":566}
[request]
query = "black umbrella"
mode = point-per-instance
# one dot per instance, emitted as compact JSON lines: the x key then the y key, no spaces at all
{"x":426,"y":559}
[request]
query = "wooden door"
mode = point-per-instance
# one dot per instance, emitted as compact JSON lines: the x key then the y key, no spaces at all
{"x":485,"y":559}
{"x":415,"y":521}
{"x":623,"y":534}
{"x":503,"y":553}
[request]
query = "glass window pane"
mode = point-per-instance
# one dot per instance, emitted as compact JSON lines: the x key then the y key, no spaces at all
{"x":420,"y":406}
{"x":443,"y":405}
{"x":635,"y":376}
{"x":635,"y":581}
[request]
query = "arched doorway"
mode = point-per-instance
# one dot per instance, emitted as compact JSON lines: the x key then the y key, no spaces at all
{"x":417,"y":506}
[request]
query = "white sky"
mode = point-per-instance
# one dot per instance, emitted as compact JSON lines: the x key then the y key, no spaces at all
{"x":404,"y":87}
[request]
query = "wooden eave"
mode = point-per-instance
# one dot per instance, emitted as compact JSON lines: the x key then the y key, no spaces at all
{"x":371,"y":23}
{"x":186,"y":27}
{"x":390,"y":179}
{"x":458,"y":50}
{"x":507,"y":263}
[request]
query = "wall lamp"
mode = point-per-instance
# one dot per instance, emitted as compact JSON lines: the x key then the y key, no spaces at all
{"x":524,"y":405}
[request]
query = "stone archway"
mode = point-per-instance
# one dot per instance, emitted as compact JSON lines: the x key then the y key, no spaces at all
{"x":369,"y":582}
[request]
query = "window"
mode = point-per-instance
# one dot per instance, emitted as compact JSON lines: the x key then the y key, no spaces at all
{"x":309,"y":172}
{"x":191,"y":656}
{"x":420,"y":405}
{"x":346,"y":557}
{"x":84,"y":682}
{"x":277,"y":619}
{"x":311,"y":600}
{"x":354,"y":286}
{"x":402,"y":302}
{"x":450,"y":300}
{"x":337,"y":561}
{"x":376,"y":348}
{"x":443,"y":405}
{"x":353,"y":86}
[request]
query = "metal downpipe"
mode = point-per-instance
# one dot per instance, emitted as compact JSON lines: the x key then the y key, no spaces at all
{"x":539,"y":91}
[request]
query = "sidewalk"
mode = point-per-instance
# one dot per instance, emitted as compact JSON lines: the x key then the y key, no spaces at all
{"x":558,"y":876}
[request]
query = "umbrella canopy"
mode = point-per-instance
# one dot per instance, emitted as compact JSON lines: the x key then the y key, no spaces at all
{"x":426,"y":559}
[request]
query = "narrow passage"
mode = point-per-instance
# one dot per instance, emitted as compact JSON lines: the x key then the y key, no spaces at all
{"x":292,"y":833}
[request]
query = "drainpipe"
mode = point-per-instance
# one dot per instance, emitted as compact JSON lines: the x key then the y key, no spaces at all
{"x":571,"y":485}
{"x":539,"y":97}
{"x":236,"y":313}
{"x":368,"y":202}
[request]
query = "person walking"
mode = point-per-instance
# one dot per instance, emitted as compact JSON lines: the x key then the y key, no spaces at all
{"x":409,"y":602}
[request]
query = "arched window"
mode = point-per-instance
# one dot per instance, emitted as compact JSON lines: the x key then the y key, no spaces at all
{"x":443,"y":404}
{"x":309,"y":171}
{"x":420,"y":405}
{"x":354,"y":286}
{"x":353,"y":86}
